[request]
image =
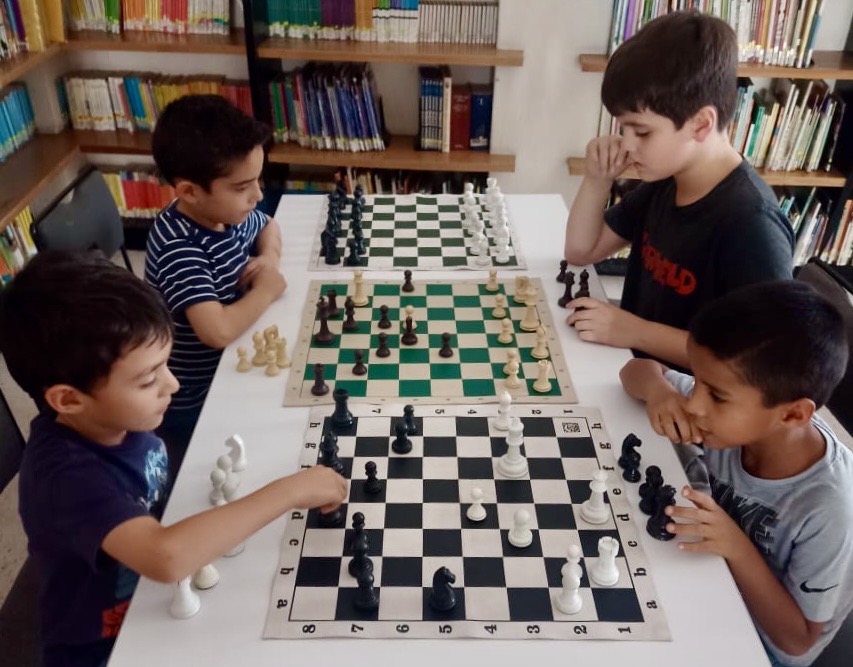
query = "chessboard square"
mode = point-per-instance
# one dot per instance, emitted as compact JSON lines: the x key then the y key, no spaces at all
{"x":531,"y":379}
{"x":428,"y":229}
{"x":539,"y":427}
{"x":404,"y":515}
{"x":407,"y":234}
{"x":550,"y":492}
{"x":471,"y":340}
{"x":475,"y":468}
{"x":357,"y":340}
{"x":587,"y":611}
{"x":472,"y":427}
{"x":358,"y":494}
{"x":478,"y":355}
{"x":318,"y":571}
{"x":583,"y":469}
{"x":525,"y":573}
{"x":576,"y":448}
{"x":498,"y":445}
{"x":440,"y":289}
{"x":405,"y":466}
{"x":383,"y":372}
{"x":414,"y":371}
{"x":440,"y":427}
{"x":540,"y":447}
{"x":392,"y":341}
{"x":372,"y":447}
{"x":617,"y":605}
{"x":401,"y":603}
{"x":490,"y":523}
{"x":530,"y":604}
{"x":487,"y":486}
{"x":441,"y":491}
{"x":376,"y":312}
{"x":557,"y":517}
{"x":452,"y":563}
{"x":498,"y":357}
{"x":347,"y":611}
{"x":428,"y":250}
{"x":452,"y":242}
{"x":384,"y":388}
{"x":397,"y":571}
{"x":441,"y":515}
{"x":589,"y":538}
{"x":545,"y":468}
{"x":441,"y":468}
{"x":356,"y":388}
{"x":621,"y":565}
{"x":427,"y":215}
{"x":383,"y":289}
{"x":469,"y":304}
{"x":374,"y":515}
{"x":446,"y":388}
{"x":327,"y":356}
{"x":414,"y":389}
{"x":478,"y":388}
{"x":381,"y":250}
{"x":451,"y":259}
{"x":507,"y":510}
{"x":455,"y":614}
{"x":319,"y":542}
{"x":443,"y":372}
{"x":414,"y":301}
{"x":406,"y":255}
{"x":483,"y":571}
{"x":556,"y":543}
{"x":340,"y":288}
{"x":513,"y":491}
{"x":379,"y":424}
{"x":440,"y":319}
{"x":442,"y":542}
{"x":486,"y":604}
{"x":404,"y":490}
{"x":314,"y":604}
{"x":469,"y":326}
{"x":439,"y":446}
{"x":409,"y":355}
{"x":403,"y":542}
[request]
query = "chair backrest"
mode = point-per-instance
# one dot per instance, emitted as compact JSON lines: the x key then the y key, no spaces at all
{"x":11,"y":444}
{"x":829,"y":282}
{"x":83,"y":217}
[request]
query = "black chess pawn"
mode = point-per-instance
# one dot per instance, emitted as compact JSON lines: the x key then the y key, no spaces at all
{"x":349,"y":309}
{"x":320,"y":387}
{"x":352,"y":256}
{"x":584,"y":278}
{"x":561,"y":276}
{"x":332,"y":296}
{"x":446,"y":351}
{"x":407,"y":282}
{"x":409,"y":419}
{"x":332,"y":519}
{"x":384,"y":322}
{"x":630,"y":456}
{"x":383,"y":351}
{"x":324,"y":240}
{"x":358,"y":192}
{"x":442,"y":597}
{"x":329,"y":451}
{"x":341,"y":418}
{"x":648,"y":489}
{"x":656,"y":525}
{"x":409,"y":336}
{"x":567,"y":293}
{"x":359,"y":368}
{"x":357,"y":529}
{"x":401,"y":444}
{"x":372,"y":484}
{"x":324,"y":336}
{"x":360,"y":561}
{"x":331,"y":252}
{"x":358,"y":239}
{"x":367,"y":598}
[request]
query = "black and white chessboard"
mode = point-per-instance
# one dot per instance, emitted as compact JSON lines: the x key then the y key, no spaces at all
{"x":419,"y":523}
{"x":414,"y":231}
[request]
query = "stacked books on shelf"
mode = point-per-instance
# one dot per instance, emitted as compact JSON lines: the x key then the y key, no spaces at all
{"x":772,"y":32}
{"x":403,"y":182}
{"x":793,"y":125}
{"x":328,"y":107}
{"x":452,"y":117}
{"x":16,"y":245}
{"x":819,"y":230}
{"x":28,"y":25}
{"x":138,"y":191}
{"x":111,"y":101}
{"x":445,"y":21}
{"x":17,"y":123}
{"x":171,"y":16}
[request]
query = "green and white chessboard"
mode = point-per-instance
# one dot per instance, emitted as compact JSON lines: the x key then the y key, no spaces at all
{"x":413,"y":231}
{"x":416,"y":373}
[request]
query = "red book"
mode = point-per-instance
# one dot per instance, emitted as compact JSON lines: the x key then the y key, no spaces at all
{"x":460,"y":117}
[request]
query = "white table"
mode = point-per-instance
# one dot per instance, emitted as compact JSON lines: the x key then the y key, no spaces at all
{"x":707,"y":618}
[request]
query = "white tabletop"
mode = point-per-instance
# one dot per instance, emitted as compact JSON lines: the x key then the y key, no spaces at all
{"x":708,"y":621}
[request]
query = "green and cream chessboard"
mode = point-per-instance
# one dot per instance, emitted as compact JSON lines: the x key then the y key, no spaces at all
{"x":417,"y":373}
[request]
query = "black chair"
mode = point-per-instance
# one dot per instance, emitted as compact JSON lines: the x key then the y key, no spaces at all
{"x":19,"y":615}
{"x":83,"y":217}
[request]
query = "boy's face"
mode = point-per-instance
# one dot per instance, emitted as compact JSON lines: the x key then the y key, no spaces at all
{"x":234,"y":196}
{"x":136,"y":393}
{"x":656,"y":149}
{"x":729,"y":412}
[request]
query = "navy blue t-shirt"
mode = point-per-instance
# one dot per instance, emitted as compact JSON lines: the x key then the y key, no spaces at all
{"x":72,"y":493}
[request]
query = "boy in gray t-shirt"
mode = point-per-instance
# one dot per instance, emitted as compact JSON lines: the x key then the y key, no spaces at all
{"x":765,"y":357}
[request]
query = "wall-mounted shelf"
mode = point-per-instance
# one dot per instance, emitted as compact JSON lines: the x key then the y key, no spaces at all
{"x":129,"y":143}
{"x":19,"y":67}
{"x":157,"y":42}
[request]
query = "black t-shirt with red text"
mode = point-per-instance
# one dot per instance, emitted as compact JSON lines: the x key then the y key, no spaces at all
{"x":684,"y":256}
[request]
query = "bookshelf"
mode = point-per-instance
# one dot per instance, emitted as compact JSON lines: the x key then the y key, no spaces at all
{"x":19,"y":67}
{"x":119,"y":142}
{"x":156,"y":42}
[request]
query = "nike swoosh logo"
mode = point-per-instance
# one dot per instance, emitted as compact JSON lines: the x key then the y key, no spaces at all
{"x":806,"y":589}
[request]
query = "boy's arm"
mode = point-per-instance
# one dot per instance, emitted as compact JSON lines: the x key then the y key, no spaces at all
{"x":268,"y":247}
{"x":169,"y":554}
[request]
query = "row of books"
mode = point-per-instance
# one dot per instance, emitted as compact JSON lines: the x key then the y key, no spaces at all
{"x":773,"y":32}
{"x":172,"y":16}
{"x":453,"y":117}
{"x":109,"y":101}
{"x":139,"y":192}
{"x":793,"y":125}
{"x":328,"y":107}
{"x":28,"y":25}
{"x":16,"y":245}
{"x":445,"y":21}
{"x":17,"y":122}
{"x":818,"y":229}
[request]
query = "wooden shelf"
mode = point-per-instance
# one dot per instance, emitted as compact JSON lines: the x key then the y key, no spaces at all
{"x":389,"y":52}
{"x":400,"y":154}
{"x":94,"y":40}
{"x":17,"y":68}
{"x":29,"y":169}
{"x":832,"y":179}
{"x":128,"y":143}
{"x":835,"y":65}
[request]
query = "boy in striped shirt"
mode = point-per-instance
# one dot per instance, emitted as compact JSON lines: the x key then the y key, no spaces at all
{"x":210,"y":253}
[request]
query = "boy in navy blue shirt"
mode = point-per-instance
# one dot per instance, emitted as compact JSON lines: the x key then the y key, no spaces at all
{"x":89,"y":342}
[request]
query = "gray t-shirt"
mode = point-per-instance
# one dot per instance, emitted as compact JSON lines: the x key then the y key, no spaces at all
{"x":801,"y":525}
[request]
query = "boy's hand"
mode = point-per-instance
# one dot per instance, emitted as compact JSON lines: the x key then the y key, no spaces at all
{"x":600,"y":322}
{"x":605,"y":158}
{"x":268,"y":279}
{"x":668,"y":416}
{"x":716,"y":530}
{"x":254,"y":265}
{"x":319,"y":487}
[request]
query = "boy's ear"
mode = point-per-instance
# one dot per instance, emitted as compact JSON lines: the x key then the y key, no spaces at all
{"x":64,"y":399}
{"x":187,"y":191}
{"x":704,"y":122}
{"x":798,"y":413}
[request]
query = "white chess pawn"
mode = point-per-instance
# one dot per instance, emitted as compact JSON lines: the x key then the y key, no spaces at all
{"x":236,"y":452}
{"x":185,"y":601}
{"x":568,"y":601}
{"x":217,"y":495}
{"x":512,"y":381}
{"x":483,"y":258}
{"x":540,"y":350}
{"x":505,"y":336}
{"x":530,"y":321}
{"x":512,"y":354}
{"x":476,"y":242}
{"x":492,"y":284}
{"x":499,"y":311}
{"x":468,"y":188}
{"x":282,"y":360}
{"x":594,"y":510}
{"x":604,"y":572}
{"x":520,"y":296}
{"x":205,"y":577}
{"x":513,"y":464}
{"x":520,"y":535}
{"x":410,"y":312}
{"x":502,"y":421}
{"x":359,"y":298}
{"x":543,"y":382}
{"x":501,"y":255}
{"x":272,"y":367}
{"x":260,"y":358}
{"x":476,"y":512}
{"x":232,"y":480}
{"x":243,"y":363}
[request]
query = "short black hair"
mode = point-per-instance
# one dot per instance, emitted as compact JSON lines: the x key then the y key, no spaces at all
{"x":198,"y":137}
{"x":782,"y":337}
{"x":67,"y":317}
{"x":674,"y":66}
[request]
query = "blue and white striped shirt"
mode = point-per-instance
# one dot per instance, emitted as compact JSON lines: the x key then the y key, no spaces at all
{"x":190,"y":264}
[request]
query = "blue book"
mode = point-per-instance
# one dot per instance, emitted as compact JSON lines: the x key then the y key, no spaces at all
{"x":481,"y":117}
